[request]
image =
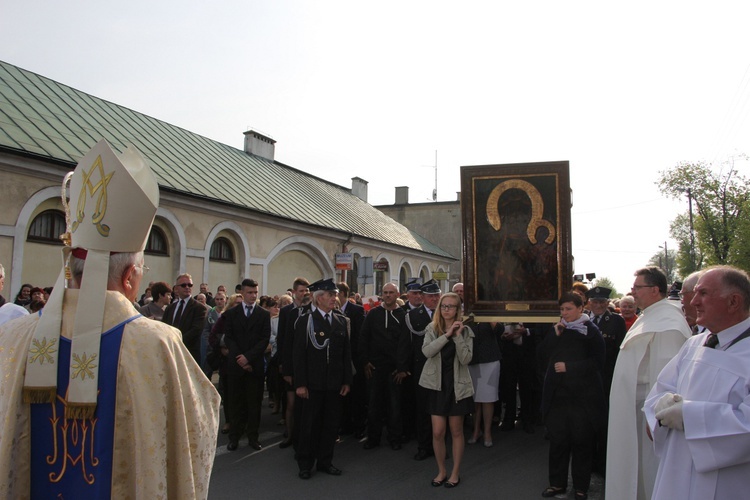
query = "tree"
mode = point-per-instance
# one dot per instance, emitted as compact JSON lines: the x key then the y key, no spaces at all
{"x":668,"y":265}
{"x":720,"y":203}
{"x":607,"y":283}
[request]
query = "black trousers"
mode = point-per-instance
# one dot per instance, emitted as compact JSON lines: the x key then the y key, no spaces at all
{"x":571,"y":432}
{"x":422,"y":418}
{"x":246,"y":399}
{"x":385,"y":406}
{"x":514,"y":374}
{"x":355,"y":406}
{"x":318,"y":426}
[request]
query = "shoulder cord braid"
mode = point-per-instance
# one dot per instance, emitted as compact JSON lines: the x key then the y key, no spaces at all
{"x":312,"y":340}
{"x":411,"y":328}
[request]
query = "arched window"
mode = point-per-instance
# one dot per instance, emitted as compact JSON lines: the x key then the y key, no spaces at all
{"x":47,"y":227}
{"x":157,"y":242}
{"x":402,"y":279}
{"x":222,"y":250}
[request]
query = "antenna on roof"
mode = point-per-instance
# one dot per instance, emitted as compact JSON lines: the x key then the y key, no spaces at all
{"x":434,"y":191}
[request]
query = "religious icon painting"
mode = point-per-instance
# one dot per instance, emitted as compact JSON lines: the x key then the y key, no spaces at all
{"x":517,"y":245}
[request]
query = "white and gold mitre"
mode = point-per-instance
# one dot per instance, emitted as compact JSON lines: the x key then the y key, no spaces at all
{"x":112,"y":206}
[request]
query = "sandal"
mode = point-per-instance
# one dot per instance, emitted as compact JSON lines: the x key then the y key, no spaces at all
{"x":553,"y":491}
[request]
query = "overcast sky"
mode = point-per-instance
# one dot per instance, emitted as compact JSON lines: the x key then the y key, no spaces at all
{"x":372,"y":89}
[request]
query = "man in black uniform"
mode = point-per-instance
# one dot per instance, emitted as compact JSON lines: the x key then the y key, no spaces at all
{"x":413,"y":295}
{"x":322,"y":376}
{"x":612,"y":327}
{"x":416,"y":323}
{"x":613,"y":331}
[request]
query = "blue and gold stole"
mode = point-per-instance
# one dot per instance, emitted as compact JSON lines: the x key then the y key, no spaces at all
{"x":73,"y":458}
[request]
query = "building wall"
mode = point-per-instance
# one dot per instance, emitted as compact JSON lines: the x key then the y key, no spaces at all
{"x":267,"y":249}
{"x":438,"y":222}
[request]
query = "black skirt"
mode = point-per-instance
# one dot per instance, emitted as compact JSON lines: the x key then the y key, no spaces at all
{"x":443,"y":402}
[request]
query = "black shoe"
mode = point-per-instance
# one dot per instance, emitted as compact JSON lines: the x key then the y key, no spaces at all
{"x":437,"y":483}
{"x":395,"y":446}
{"x":255,"y":444}
{"x":422,"y":455}
{"x":553,"y":491}
{"x":232,"y":446}
{"x":285,"y":443}
{"x":330,"y":469}
{"x":448,"y":484}
{"x":304,"y":474}
{"x":370,"y":445}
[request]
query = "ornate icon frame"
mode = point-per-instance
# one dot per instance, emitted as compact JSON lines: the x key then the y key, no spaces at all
{"x":517,"y":240}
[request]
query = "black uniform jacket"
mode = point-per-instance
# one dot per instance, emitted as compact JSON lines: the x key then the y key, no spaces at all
{"x":324,"y":362}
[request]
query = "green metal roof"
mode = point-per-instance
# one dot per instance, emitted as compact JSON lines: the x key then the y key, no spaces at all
{"x":44,"y":118}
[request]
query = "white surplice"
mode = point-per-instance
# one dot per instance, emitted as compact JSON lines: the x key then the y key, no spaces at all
{"x":711,"y":458}
{"x":651,"y":342}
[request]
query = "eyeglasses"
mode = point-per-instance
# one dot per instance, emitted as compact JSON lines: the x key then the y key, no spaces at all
{"x":448,"y":307}
{"x":186,"y":285}
{"x":143,"y":269}
{"x":635,"y":287}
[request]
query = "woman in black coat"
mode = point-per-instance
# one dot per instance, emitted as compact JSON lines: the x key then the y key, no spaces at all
{"x":573,"y":399}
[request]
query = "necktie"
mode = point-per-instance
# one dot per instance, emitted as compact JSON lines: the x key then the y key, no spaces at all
{"x":712,"y":341}
{"x":178,"y":314}
{"x":328,"y":320}
{"x":248,"y":310}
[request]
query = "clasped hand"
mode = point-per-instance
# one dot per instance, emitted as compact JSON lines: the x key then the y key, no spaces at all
{"x":669,"y":411}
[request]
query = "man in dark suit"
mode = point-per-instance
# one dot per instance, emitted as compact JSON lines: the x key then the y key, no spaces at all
{"x":285,"y":342}
{"x":613,"y":329}
{"x":322,"y":375}
{"x":247,"y":334}
{"x":187,"y":315}
{"x":355,"y":404}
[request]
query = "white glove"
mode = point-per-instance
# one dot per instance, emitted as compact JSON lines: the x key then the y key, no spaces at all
{"x":666,"y":401}
{"x":672,"y":417}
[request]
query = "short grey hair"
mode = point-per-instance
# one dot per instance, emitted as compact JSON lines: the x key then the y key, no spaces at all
{"x":689,"y":283}
{"x":117,"y":265}
{"x":627,"y":298}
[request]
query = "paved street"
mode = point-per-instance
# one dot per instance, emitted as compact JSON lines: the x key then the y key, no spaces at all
{"x":515,"y":468}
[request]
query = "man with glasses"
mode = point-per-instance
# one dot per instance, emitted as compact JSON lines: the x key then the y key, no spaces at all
{"x":655,"y":337}
{"x":187,"y":315}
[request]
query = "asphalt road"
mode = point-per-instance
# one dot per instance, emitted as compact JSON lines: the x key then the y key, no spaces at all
{"x":514,"y":468}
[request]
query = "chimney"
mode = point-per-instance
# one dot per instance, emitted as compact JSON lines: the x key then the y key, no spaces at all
{"x":402,"y":195}
{"x":259,"y":145}
{"x":359,"y":188}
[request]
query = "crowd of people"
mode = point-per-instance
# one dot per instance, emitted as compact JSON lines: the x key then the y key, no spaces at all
{"x":606,"y":382}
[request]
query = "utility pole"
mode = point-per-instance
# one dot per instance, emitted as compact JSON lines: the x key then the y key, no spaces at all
{"x":692,"y":233}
